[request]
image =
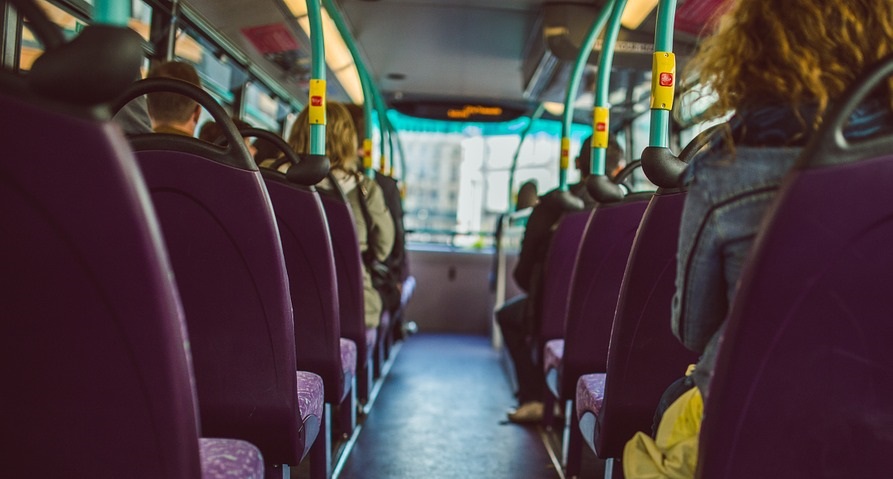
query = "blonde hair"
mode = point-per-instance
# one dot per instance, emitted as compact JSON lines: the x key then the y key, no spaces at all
{"x":795,"y":52}
{"x":341,"y":137}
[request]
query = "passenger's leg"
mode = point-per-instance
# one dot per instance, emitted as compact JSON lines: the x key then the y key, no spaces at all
{"x":515,"y":336}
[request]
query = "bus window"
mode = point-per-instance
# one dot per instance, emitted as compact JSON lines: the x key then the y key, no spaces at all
{"x":457,"y":175}
{"x":261,"y":109}
{"x":71,"y":24}
{"x":31,"y":48}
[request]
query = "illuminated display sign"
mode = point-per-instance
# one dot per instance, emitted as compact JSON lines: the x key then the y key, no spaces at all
{"x":468,"y":110}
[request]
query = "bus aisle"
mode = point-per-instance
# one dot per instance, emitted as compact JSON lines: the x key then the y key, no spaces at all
{"x":441,"y":414}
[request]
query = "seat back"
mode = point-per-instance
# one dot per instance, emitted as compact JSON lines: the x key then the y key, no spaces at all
{"x":223,"y":242}
{"x":309,"y":259}
{"x":596,"y":287}
{"x":349,"y":272}
{"x":643,"y":357}
{"x":561,"y":263}
{"x":803,"y":385}
{"x":96,"y":379}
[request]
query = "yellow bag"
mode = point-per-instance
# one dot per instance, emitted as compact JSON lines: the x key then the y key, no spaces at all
{"x":674,"y":453}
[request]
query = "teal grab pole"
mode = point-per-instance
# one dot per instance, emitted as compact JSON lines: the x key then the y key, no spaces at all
{"x":365,"y":82}
{"x":533,"y":119}
{"x":111,"y":12}
{"x":317,"y":72}
{"x":603,"y":85}
{"x":663,"y":42}
{"x":573,"y":86}
{"x":368,"y":112}
{"x":383,"y":130}
{"x":401,"y":151}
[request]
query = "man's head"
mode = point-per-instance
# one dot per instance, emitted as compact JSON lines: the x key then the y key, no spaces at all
{"x":614,"y":161}
{"x":171,"y":109}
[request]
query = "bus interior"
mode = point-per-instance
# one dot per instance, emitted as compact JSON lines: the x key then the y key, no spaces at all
{"x":159,"y":293}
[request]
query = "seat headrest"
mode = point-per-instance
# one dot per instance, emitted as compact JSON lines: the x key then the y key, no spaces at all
{"x":94,"y":68}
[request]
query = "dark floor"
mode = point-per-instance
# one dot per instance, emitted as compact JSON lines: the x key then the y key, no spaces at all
{"x":440,"y":414}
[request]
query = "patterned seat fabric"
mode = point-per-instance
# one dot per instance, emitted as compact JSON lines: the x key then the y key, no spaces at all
{"x":223,"y":458}
{"x":311,"y":395}
{"x":552,"y":355}
{"x":349,"y":357}
{"x":590,"y":393}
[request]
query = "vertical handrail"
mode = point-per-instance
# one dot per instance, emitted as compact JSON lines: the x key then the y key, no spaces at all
{"x":663,"y":75}
{"x":601,"y":113}
{"x":111,"y":12}
{"x":533,"y":119}
{"x":365,"y":82}
{"x":573,"y":86}
{"x":317,"y":100}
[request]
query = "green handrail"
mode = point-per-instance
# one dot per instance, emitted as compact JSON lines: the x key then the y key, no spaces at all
{"x":663,"y":75}
{"x":533,"y":119}
{"x":601,"y":125}
{"x":573,"y":86}
{"x":317,"y":100}
{"x":111,"y":12}
{"x":365,"y":82}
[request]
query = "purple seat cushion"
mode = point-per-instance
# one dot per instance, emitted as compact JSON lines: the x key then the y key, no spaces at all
{"x":590,"y":393}
{"x":222,"y":458}
{"x":310,"y":395}
{"x":552,"y":354}
{"x":349,"y":357}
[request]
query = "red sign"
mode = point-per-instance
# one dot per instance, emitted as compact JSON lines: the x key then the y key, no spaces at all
{"x":316,"y":100}
{"x":666,"y":79}
{"x":600,"y":126}
{"x":272,"y":38}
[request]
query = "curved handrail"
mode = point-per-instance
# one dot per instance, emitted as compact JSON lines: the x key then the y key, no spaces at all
{"x":233,"y":153}
{"x":601,"y":124}
{"x":664,"y":169}
{"x":306,"y":170}
{"x":573,"y":86}
{"x":829,"y":146}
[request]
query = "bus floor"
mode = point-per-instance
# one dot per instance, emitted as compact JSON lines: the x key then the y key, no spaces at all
{"x":441,"y":413}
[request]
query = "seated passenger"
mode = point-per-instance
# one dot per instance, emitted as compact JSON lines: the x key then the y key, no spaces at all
{"x":779,"y":83}
{"x":396,"y":261}
{"x":341,"y":147}
{"x":170,"y":112}
{"x":527,"y":195}
{"x":519,"y":318}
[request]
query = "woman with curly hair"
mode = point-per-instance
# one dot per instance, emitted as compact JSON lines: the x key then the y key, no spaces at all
{"x":777,"y":67}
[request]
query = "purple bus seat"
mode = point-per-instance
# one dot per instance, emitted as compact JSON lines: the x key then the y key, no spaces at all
{"x":311,"y":266}
{"x":97,"y":380}
{"x":309,"y":260}
{"x":349,"y":276}
{"x":803,"y":385}
{"x":644,"y":357}
{"x":558,"y":274}
{"x":594,"y":291}
{"x":223,"y":242}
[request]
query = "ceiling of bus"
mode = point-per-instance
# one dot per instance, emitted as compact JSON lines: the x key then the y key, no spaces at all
{"x":463,"y":50}
{"x":457,"y":48}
